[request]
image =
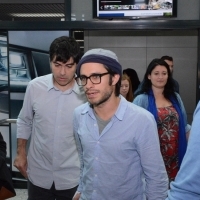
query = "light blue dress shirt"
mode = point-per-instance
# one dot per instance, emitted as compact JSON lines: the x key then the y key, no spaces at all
{"x":47,"y":116}
{"x":187,"y":183}
{"x":114,"y":162}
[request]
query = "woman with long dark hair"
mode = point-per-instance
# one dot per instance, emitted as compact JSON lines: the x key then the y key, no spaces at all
{"x":157,"y":95}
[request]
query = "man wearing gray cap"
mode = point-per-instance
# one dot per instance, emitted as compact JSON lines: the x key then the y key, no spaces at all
{"x":117,"y":141}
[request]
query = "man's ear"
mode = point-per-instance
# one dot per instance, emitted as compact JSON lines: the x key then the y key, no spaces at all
{"x":115,"y":79}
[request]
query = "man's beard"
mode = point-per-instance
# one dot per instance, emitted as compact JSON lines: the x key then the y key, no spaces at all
{"x":105,"y":98}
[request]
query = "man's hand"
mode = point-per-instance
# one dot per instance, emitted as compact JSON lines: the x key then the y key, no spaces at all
{"x":20,"y":163}
{"x":77,"y":195}
{"x":21,"y":159}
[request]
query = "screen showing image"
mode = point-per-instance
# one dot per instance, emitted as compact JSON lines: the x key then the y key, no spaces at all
{"x":134,"y":8}
{"x":4,"y":100}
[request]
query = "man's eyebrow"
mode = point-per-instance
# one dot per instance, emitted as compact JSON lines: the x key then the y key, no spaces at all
{"x":70,"y":63}
{"x":59,"y":62}
{"x":96,"y":73}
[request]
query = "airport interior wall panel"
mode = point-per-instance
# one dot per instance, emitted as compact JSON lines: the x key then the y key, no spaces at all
{"x":135,"y":49}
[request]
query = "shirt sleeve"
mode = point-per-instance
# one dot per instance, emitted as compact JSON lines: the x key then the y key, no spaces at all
{"x":187,"y":181}
{"x":141,"y":100}
{"x":79,"y":148}
{"x":152,"y":163}
{"x":25,"y":118}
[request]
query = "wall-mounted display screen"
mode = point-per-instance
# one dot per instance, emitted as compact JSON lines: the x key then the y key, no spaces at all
{"x":134,"y":9}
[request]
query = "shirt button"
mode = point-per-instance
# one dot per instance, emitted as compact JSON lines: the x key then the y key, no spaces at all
{"x":94,"y":190}
{"x":94,"y":124}
{"x":96,"y":158}
{"x":98,"y":142}
{"x":95,"y":175}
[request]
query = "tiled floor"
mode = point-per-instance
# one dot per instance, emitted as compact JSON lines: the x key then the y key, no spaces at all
{"x":21,"y":194}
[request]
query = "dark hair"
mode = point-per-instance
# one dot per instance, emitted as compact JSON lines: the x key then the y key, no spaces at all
{"x":118,"y":84}
{"x":64,"y":48}
{"x":167,"y":58}
{"x":135,"y":82}
{"x":169,"y":87}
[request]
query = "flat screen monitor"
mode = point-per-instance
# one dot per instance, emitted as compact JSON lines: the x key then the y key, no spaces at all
{"x":134,"y":9}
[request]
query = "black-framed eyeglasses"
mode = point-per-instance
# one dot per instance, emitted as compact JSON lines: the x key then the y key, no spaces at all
{"x":94,"y":78}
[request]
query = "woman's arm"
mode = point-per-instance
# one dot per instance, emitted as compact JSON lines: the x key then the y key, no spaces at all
{"x":141,"y":100}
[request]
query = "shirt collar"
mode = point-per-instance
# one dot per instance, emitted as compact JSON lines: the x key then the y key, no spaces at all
{"x":50,"y":82}
{"x":76,"y":88}
{"x":119,"y":114}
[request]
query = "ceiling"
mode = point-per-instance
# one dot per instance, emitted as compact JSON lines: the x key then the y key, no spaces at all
{"x":32,"y":11}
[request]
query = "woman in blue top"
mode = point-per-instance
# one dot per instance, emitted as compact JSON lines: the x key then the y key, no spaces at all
{"x":157,"y":95}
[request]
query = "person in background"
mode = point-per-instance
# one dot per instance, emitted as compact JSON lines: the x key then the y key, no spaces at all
{"x":157,"y":95}
{"x":2,"y":149}
{"x":6,"y":185}
{"x":126,"y":88}
{"x":170,"y":62}
{"x":187,"y":182}
{"x":135,"y":82}
{"x":117,"y":149}
{"x":52,"y":166}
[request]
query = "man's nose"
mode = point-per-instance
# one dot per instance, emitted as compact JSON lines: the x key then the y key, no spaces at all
{"x":89,"y":83}
{"x":63,"y":70}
